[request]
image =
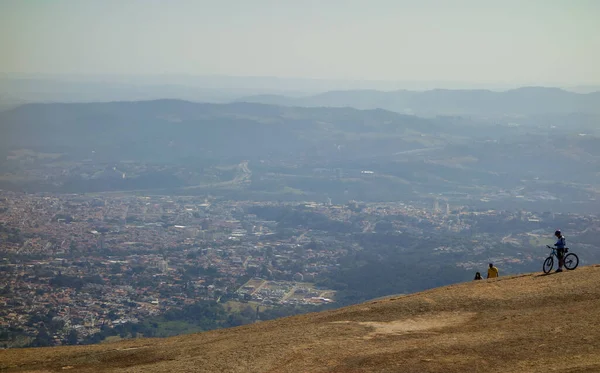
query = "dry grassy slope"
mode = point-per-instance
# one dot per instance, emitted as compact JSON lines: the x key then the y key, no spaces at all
{"x":527,"y":323}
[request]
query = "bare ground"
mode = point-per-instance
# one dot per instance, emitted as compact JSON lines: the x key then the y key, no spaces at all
{"x":526,"y":323}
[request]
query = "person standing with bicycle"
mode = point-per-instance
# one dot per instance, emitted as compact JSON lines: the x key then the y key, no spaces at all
{"x":560,"y":249}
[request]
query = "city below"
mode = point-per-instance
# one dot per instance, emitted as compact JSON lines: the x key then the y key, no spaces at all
{"x":90,"y":263}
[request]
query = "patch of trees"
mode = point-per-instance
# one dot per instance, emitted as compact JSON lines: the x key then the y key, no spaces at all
{"x":10,"y":234}
{"x":153,"y":180}
{"x":48,"y":325}
{"x":75,"y":282}
{"x":380,"y":278}
{"x":292,"y":217}
{"x":392,"y":264}
{"x":67,"y":218}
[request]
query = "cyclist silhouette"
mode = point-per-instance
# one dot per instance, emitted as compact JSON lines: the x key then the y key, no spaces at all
{"x":560,"y":249}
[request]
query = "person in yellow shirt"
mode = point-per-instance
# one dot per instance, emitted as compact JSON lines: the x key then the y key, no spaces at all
{"x":492,"y":271}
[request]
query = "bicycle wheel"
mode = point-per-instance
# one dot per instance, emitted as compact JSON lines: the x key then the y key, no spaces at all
{"x":548,"y":264}
{"x":571,"y":261}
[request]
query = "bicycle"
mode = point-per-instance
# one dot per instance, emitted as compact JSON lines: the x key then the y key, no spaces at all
{"x":570,"y":260}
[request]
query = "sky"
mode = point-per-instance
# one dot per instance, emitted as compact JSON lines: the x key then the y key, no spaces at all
{"x":507,"y":41}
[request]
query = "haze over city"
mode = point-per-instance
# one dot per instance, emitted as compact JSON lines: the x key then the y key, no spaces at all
{"x":369,"y":167}
{"x":509,"y":43}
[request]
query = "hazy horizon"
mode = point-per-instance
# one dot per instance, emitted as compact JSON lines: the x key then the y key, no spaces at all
{"x":478,"y":43}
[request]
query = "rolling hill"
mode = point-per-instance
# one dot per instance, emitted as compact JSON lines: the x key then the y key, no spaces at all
{"x":521,"y":101}
{"x":167,"y":129}
{"x":524,"y":323}
{"x":294,"y":153}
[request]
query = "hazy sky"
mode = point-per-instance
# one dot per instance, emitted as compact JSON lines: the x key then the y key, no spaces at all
{"x":501,"y":41}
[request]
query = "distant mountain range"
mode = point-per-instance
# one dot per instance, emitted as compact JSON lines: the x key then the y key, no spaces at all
{"x":316,"y":151}
{"x":516,"y":102}
{"x":410,"y":99}
{"x":168,"y":129}
{"x":171,"y":129}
